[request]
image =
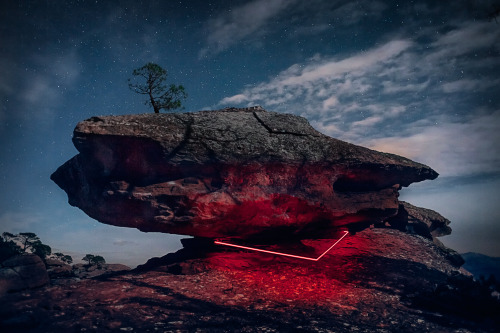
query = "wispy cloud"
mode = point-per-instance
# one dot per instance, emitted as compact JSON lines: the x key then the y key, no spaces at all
{"x":322,"y":82}
{"x":452,"y":148}
{"x":43,"y":90}
{"x":470,"y":37}
{"x":59,"y":72}
{"x":315,"y":16}
{"x":332,"y":69}
{"x":16,"y":222}
{"x":390,"y":98}
{"x":468,"y":85}
{"x":228,"y":28}
{"x":355,"y":11}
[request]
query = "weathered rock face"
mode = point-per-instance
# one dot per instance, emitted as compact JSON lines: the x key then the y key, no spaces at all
{"x":426,"y":223}
{"x":58,"y":269}
{"x":22,"y":272}
{"x":422,"y":221}
{"x":230,"y":173}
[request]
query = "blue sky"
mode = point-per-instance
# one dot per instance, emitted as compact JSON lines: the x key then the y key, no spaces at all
{"x":416,"y":78}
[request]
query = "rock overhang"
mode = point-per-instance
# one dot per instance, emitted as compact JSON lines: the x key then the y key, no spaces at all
{"x":229,"y":173}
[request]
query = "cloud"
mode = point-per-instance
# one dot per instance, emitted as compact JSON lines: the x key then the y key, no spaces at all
{"x":467,"y":38}
{"x":124,"y":242}
{"x":332,"y":68}
{"x":227,"y":29}
{"x":417,"y":99}
{"x":472,"y":208}
{"x":39,"y":90}
{"x":316,"y":16}
{"x":43,"y":89}
{"x":468,"y":85}
{"x":236,"y":99}
{"x":322,"y":84}
{"x":367,"y":122}
{"x":355,"y":11}
{"x":391,"y":87}
{"x":453,"y":149}
{"x":16,"y":222}
{"x":330,"y":102}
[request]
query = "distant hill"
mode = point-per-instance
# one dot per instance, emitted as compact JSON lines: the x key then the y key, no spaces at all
{"x":480,"y":264}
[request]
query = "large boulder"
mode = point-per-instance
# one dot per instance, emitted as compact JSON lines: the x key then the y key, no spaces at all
{"x":230,"y":173}
{"x":22,"y":272}
{"x":58,"y":269}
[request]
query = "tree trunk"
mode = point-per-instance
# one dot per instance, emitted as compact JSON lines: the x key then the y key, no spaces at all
{"x":153,"y":103}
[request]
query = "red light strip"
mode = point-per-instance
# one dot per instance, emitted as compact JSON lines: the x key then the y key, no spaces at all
{"x":281,"y":253}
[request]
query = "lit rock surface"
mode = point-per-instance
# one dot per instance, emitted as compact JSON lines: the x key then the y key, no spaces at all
{"x":230,"y":173}
{"x":379,"y":280}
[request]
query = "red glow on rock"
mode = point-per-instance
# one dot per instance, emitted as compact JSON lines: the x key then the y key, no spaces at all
{"x":282,"y":253}
{"x":252,"y":212}
{"x":289,"y":280}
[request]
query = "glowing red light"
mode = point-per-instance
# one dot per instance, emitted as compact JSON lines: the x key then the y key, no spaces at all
{"x":281,"y":253}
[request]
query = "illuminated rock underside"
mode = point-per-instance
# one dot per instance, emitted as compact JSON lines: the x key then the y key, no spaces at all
{"x":334,"y":242}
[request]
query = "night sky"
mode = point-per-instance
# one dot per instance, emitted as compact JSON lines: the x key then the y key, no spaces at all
{"x":417,"y":78}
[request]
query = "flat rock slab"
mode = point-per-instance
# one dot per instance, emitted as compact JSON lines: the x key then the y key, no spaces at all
{"x":241,"y":173}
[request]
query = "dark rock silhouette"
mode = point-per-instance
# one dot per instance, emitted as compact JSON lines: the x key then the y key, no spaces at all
{"x":58,"y":269}
{"x":244,"y":173}
{"x":421,"y":221}
{"x":84,"y":271}
{"x":426,"y":223}
{"x":22,"y":272}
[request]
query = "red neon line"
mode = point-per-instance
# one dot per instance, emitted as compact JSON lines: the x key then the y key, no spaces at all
{"x":281,"y":253}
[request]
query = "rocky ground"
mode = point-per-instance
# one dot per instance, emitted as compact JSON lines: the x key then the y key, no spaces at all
{"x":378,"y":280}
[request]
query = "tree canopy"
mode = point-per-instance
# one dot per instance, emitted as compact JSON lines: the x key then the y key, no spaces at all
{"x":27,"y":242}
{"x":63,"y":257}
{"x":8,"y":248}
{"x":160,"y":95}
{"x":94,"y":260}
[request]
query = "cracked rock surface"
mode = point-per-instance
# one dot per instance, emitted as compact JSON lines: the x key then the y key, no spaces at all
{"x":241,"y":173}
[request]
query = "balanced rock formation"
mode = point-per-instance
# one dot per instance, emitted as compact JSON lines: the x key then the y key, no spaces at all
{"x":241,"y":173}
